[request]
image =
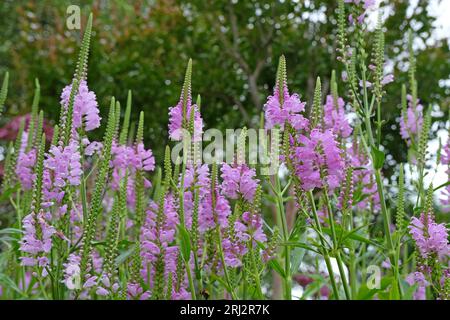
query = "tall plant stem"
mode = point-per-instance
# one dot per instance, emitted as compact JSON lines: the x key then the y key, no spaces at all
{"x":191,"y":281}
{"x":324,"y":248}
{"x":336,"y":249}
{"x":287,"y":249}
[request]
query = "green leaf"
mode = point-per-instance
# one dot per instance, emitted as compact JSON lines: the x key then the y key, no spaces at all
{"x":8,"y":192}
{"x":378,"y":158}
{"x":184,"y":241}
{"x":125,"y":255}
{"x":353,"y":235}
{"x":7,"y":282}
{"x":442,"y":186}
{"x":300,"y":245}
{"x":394,"y":293}
{"x":10,"y":231}
{"x":275,"y":265}
{"x":365,"y":293}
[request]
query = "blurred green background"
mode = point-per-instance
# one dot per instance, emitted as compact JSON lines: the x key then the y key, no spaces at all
{"x":144,"y":46}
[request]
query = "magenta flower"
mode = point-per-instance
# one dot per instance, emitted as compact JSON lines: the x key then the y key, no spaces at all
{"x":247,"y":228}
{"x":318,"y":160}
{"x":25,"y":168}
{"x":238,"y":180}
{"x":179,"y":123}
{"x":366,"y":5}
{"x":129,"y":159}
{"x":420,"y":279}
{"x":363,"y":178}
{"x":65,"y":165}
{"x":430,"y":237}
{"x":282,"y":107}
{"x":209,"y":215}
{"x":334,"y":117}
{"x":85,"y":107}
{"x":37,"y":240}
{"x":411,"y":121}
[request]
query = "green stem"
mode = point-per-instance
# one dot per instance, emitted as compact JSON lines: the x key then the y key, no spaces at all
{"x":324,"y":249}
{"x":335,"y":246}
{"x":287,"y":249}
{"x":191,"y":282}
{"x":225,"y":271}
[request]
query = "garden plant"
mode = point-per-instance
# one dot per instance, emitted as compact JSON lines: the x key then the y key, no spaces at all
{"x":106,"y":220}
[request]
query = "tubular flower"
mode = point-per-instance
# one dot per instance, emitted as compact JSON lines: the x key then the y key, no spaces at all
{"x":156,"y":240}
{"x":318,"y":160}
{"x":85,"y":107}
{"x":365,"y":6}
{"x":247,"y":228}
{"x":429,"y":236}
{"x":363,"y":178}
{"x":209,"y":215}
{"x":282,"y":107}
{"x":61,"y":168}
{"x":238,"y":180}
{"x":411,"y":121}
{"x":129,"y":159}
{"x":334,"y":117}
{"x":419,"y":278}
{"x":24,"y":168}
{"x":178,"y":123}
{"x":26,"y":161}
{"x":37,"y":240}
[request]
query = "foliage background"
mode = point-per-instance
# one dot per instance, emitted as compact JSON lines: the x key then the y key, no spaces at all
{"x":144,"y":46}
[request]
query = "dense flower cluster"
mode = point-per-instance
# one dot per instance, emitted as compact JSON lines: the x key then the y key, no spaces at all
{"x":411,"y":121}
{"x":281,"y":108}
{"x":318,"y":160}
{"x":180,"y":117}
{"x":335,"y":117}
{"x":37,"y":240}
{"x":366,"y":5}
{"x":238,"y":180}
{"x":85,"y":106}
{"x":98,"y":223}
{"x":430,"y":237}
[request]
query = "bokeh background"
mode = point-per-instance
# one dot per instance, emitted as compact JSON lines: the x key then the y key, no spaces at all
{"x":144,"y":46}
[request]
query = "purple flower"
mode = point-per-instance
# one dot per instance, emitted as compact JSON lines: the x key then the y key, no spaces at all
{"x":62,"y":167}
{"x":208,"y":216}
{"x":91,"y":148}
{"x":158,"y":239}
{"x":126,"y":159}
{"x":37,"y":240}
{"x":387,"y":79}
{"x":366,"y":5}
{"x":85,"y":106}
{"x":318,"y":160}
{"x":411,"y":121}
{"x":335,"y":118}
{"x":179,"y":123}
{"x":25,"y":168}
{"x":282,"y":107}
{"x":363,"y":178}
{"x":429,"y":236}
{"x":419,"y":279}
{"x":238,"y":180}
